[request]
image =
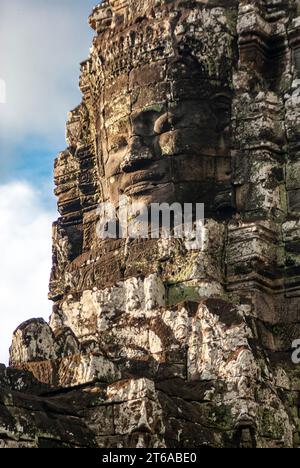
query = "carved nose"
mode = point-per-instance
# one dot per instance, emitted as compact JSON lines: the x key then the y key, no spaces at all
{"x":137,"y":156}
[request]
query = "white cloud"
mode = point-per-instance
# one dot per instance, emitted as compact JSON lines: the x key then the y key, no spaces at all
{"x":41,"y":45}
{"x":25,"y":239}
{"x":2,"y":92}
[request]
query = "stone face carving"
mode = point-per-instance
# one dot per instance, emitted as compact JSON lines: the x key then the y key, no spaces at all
{"x":165,"y":123}
{"x":166,"y":346}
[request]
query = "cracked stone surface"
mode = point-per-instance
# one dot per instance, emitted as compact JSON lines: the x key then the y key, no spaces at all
{"x":152,"y":344}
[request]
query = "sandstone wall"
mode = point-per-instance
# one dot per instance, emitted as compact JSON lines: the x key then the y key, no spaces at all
{"x":150,"y":343}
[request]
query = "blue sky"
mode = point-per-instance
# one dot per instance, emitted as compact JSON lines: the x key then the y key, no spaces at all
{"x":42,"y":43}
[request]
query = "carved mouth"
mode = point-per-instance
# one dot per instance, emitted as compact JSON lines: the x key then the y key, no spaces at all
{"x":140,"y":188}
{"x":144,"y":189}
{"x":142,"y":182}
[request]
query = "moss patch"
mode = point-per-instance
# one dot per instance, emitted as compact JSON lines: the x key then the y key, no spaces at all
{"x":182,"y":293}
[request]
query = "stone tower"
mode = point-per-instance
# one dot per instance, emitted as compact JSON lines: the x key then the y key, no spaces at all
{"x":152,"y":343}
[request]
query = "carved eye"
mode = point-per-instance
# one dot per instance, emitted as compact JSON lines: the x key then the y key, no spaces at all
{"x":143,"y":122}
{"x":222,"y":102}
{"x":119,"y":144}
